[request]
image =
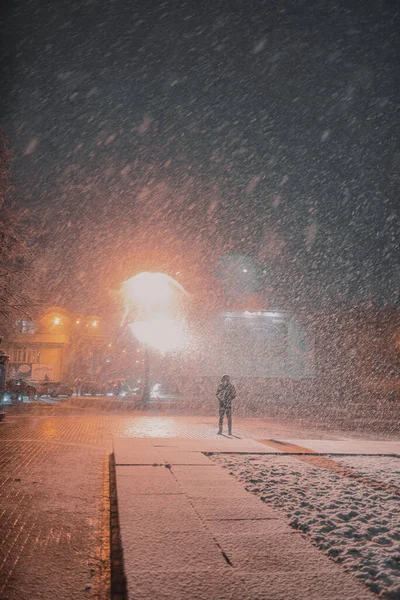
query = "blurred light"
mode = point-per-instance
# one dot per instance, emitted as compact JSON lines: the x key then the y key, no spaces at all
{"x":158,"y":323}
{"x":161,"y":334}
{"x":123,"y":350}
{"x":57,"y":320}
{"x":244,"y":270}
{"x":77,"y":322}
{"x":109,"y":345}
{"x":152,"y":293}
{"x":95,"y":323}
{"x":156,"y":389}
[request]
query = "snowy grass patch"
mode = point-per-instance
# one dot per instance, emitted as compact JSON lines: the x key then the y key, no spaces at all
{"x":355,"y":524}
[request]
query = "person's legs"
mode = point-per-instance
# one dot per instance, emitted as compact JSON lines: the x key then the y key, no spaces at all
{"x":221,"y":417}
{"x":229,"y":417}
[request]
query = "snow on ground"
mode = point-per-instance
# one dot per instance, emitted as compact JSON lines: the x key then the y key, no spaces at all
{"x":380,"y":468}
{"x":355,"y":524}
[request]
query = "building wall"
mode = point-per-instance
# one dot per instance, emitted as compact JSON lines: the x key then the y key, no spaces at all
{"x":50,"y":346}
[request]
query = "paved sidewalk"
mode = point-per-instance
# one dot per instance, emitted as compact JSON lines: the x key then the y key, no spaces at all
{"x":190,"y":530}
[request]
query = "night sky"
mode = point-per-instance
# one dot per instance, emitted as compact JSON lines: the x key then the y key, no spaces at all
{"x":172,"y":135}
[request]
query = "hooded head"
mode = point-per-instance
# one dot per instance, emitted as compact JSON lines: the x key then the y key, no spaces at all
{"x":225,"y":379}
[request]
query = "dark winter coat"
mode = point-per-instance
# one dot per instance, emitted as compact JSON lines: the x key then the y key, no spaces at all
{"x":226,"y":393}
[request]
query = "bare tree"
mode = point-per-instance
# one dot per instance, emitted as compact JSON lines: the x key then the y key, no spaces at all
{"x":17,"y":298}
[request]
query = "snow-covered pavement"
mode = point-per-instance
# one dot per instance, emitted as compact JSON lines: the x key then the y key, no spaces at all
{"x":190,"y":530}
{"x":355,"y":523}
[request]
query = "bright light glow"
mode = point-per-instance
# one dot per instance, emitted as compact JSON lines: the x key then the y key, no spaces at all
{"x":57,"y":320}
{"x":157,"y":299}
{"x":95,"y":323}
{"x":77,"y":321}
{"x":152,"y":293}
{"x":162,"y":334}
{"x":244,"y":270}
{"x":156,"y":389}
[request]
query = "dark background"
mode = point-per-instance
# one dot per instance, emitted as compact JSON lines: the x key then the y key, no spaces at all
{"x":171,"y":135}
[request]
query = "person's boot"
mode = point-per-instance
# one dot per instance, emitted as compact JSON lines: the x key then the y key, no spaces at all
{"x":219,"y":432}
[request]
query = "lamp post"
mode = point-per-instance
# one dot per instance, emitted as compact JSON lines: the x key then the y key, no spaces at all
{"x":3,"y":366}
{"x":145,"y":399}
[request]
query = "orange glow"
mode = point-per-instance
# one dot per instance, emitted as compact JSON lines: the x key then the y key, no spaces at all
{"x":95,"y":323}
{"x":57,"y":320}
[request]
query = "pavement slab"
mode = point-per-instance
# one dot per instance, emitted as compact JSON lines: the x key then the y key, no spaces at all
{"x":189,"y":550}
{"x":185,"y":458}
{"x":269,"y":552}
{"x":229,"y":584}
{"x":145,"y":480}
{"x":221,"y":444}
{"x":203,"y":489}
{"x":321,"y":584}
{"x":128,"y":451}
{"x":198,"y":473}
{"x":248,"y":507}
{"x":140,"y":513}
{"x":207,"y":584}
{"x":271,"y":528}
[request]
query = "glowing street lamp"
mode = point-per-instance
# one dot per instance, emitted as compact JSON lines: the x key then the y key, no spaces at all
{"x":156,"y":297}
{"x":159,"y":324}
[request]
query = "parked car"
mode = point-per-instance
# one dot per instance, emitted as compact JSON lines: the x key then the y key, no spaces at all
{"x":117,"y":388}
{"x":20,"y":389}
{"x":61,"y":390}
{"x":43,"y":388}
{"x":5,"y":397}
{"x":91,"y":388}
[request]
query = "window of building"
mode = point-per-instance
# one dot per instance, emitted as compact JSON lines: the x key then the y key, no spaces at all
{"x":25,"y":326}
{"x":24,"y":355}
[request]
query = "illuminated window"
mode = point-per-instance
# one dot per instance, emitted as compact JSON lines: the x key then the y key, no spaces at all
{"x":24,"y":355}
{"x":25,"y":327}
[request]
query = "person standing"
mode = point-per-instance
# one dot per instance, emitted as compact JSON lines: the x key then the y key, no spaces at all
{"x":225,"y":393}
